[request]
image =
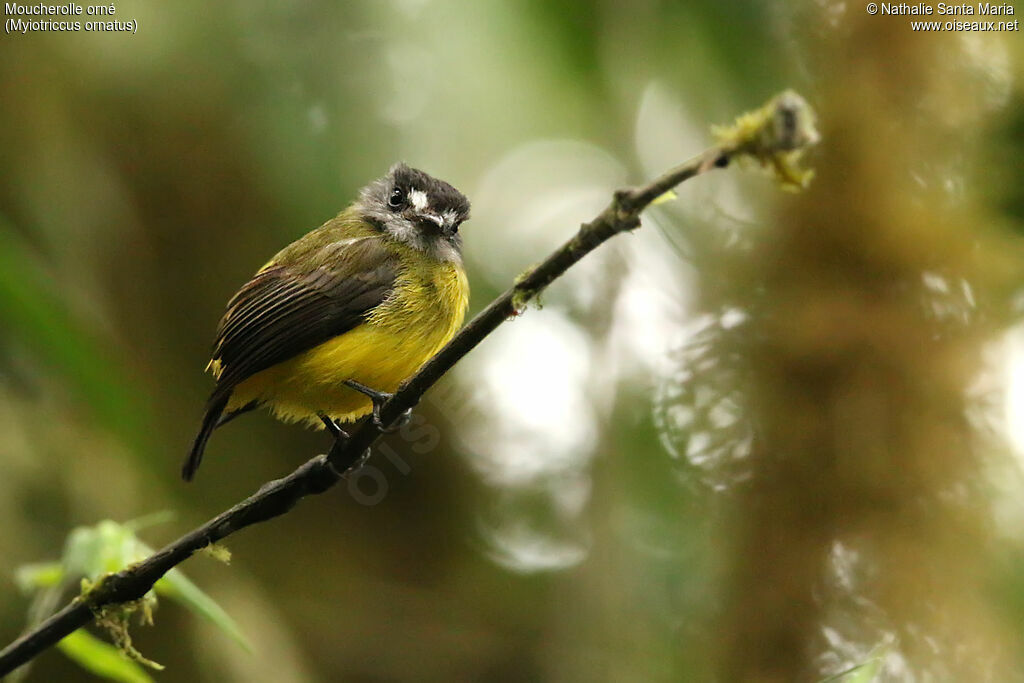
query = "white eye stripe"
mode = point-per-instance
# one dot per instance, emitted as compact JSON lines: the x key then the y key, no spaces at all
{"x":418,"y":199}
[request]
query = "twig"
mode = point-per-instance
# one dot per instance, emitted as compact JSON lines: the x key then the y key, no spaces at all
{"x":772,"y":136}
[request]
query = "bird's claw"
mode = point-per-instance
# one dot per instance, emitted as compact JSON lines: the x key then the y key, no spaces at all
{"x":379,"y":398}
{"x":334,"y":427}
{"x":358,"y":464}
{"x":399,"y":422}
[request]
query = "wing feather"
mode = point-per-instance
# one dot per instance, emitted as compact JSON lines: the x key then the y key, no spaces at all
{"x":285,"y":310}
{"x":301,"y":301}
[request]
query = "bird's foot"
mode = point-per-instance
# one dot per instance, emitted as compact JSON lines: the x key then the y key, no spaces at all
{"x":379,"y":398}
{"x":341,"y":437}
{"x":334,"y":427}
{"x":358,"y":464}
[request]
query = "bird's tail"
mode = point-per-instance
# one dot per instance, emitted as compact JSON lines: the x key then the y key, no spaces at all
{"x":214,"y":408}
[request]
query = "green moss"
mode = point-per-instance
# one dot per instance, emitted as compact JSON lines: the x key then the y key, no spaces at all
{"x":114,"y":619}
{"x":775,"y":137}
{"x":218,"y":552}
{"x":522,"y":296}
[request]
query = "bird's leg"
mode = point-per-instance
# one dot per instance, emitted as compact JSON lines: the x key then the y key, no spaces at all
{"x":339,"y":434}
{"x":341,"y":437}
{"x":358,"y":464}
{"x":379,"y":398}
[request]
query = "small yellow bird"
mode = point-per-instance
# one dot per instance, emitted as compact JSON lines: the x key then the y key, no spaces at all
{"x":345,"y":314}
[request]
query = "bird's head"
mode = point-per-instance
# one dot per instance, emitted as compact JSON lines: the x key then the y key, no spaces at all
{"x":416,"y":209}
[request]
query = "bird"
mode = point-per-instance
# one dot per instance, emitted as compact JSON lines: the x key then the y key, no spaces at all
{"x":330,"y":327}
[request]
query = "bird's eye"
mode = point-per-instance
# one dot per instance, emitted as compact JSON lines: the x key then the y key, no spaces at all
{"x":396,"y":198}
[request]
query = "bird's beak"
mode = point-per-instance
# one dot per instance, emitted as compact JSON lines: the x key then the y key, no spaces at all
{"x":435,"y":219}
{"x":433,"y":222}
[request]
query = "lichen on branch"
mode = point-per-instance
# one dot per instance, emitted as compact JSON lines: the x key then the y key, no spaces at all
{"x":774,"y":136}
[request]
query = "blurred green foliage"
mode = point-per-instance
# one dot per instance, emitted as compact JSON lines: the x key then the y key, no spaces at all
{"x":91,"y":553}
{"x":584,"y":507}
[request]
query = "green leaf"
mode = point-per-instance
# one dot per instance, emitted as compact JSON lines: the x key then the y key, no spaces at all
{"x":101,"y":658}
{"x":97,"y":550}
{"x":83,"y":553}
{"x":178,"y":587}
{"x":32,"y":577}
{"x":865,"y":672}
{"x":152,"y":519}
{"x":664,"y":198}
{"x":36,"y":313}
{"x":93,"y":552}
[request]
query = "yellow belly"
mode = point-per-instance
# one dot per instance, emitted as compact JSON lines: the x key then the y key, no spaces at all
{"x":390,"y":347}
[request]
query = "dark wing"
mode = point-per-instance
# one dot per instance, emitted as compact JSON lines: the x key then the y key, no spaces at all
{"x":284,"y":311}
{"x":290,"y":308}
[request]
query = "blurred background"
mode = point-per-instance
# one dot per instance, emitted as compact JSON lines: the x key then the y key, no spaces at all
{"x":766,"y":437}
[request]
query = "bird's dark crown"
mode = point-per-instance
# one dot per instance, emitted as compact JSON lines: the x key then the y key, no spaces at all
{"x":416,"y":209}
{"x":441,"y":196}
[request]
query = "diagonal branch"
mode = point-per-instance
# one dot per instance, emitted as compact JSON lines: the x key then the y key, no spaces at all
{"x":771,"y":136}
